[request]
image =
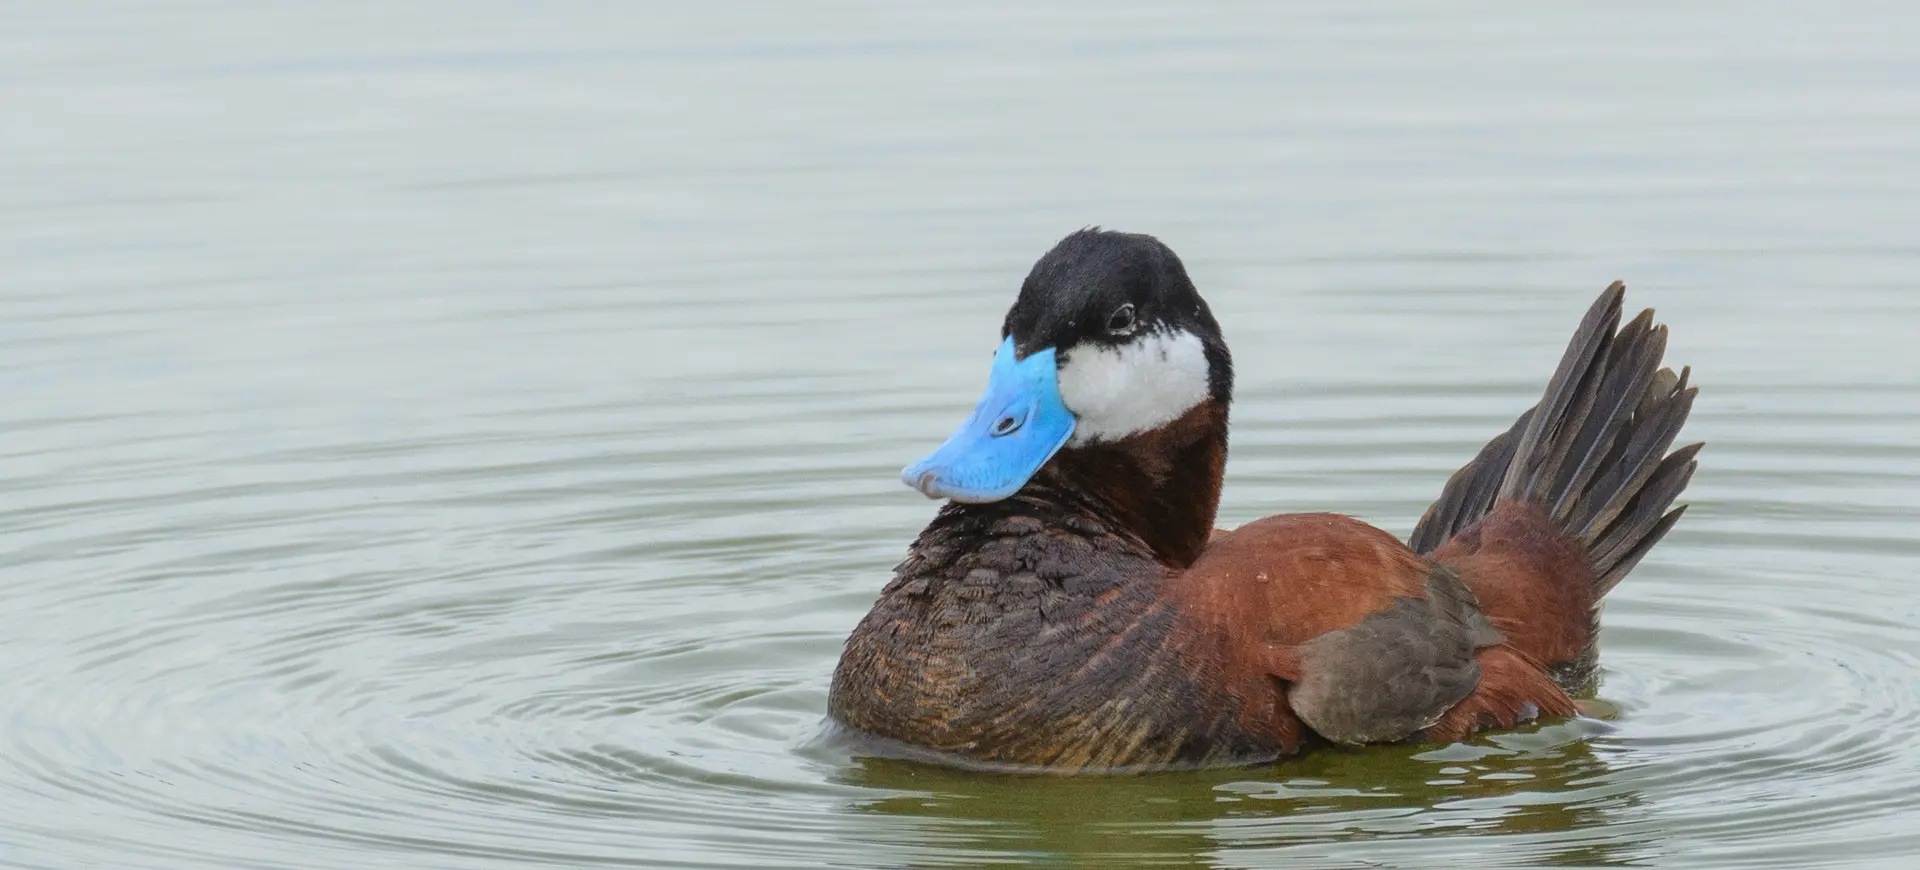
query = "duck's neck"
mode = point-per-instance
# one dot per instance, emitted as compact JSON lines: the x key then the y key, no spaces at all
{"x":1163,"y":485}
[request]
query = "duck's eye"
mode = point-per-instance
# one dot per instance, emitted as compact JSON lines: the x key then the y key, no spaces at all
{"x":1121,"y":321}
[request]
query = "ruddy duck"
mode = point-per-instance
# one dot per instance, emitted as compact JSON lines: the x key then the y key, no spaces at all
{"x":1071,"y":607}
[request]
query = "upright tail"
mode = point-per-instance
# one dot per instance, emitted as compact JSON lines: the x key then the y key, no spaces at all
{"x":1590,"y":462}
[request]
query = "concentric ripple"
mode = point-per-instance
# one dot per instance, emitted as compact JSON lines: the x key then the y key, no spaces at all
{"x":481,"y":645}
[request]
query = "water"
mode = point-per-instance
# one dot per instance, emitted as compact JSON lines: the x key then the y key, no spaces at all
{"x":461,"y":435}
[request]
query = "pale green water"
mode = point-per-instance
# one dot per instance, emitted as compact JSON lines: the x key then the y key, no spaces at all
{"x":461,"y":435}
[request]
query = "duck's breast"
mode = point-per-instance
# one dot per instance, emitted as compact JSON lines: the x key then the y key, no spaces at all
{"x":1020,"y":642}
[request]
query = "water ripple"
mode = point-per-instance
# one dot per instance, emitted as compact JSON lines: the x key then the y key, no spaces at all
{"x":464,"y":438}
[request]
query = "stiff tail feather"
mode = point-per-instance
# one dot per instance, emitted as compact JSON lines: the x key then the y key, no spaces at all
{"x":1593,"y":454}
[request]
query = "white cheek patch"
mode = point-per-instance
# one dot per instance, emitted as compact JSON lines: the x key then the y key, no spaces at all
{"x":1141,"y":385}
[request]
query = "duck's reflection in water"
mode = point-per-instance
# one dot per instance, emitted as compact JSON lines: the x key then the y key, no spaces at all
{"x":1542,"y":797}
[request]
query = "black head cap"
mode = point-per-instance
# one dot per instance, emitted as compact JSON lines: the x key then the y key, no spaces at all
{"x":1107,"y":288}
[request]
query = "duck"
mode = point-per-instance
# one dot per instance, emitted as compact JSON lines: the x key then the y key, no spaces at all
{"x":1071,"y":607}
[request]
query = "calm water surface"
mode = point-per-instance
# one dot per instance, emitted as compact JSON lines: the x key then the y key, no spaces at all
{"x":461,"y":435}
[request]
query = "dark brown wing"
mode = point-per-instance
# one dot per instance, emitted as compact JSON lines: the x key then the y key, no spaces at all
{"x":1374,"y":642}
{"x":1397,"y":671}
